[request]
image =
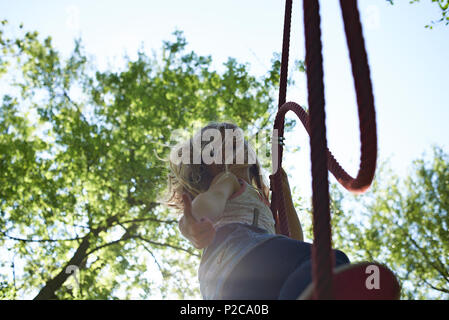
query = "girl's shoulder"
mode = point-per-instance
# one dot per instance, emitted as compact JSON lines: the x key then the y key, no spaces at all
{"x":248,"y":192}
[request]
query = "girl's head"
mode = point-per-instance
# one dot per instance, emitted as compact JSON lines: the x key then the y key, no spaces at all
{"x":216,"y":148}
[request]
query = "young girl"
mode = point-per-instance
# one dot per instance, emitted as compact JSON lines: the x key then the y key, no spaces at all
{"x":230,"y":215}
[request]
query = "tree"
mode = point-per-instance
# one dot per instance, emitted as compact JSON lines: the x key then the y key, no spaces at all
{"x":442,"y":4}
{"x":80,"y":171}
{"x":402,"y":223}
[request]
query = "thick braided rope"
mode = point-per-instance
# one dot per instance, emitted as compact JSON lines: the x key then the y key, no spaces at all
{"x":285,"y":52}
{"x":355,"y":185}
{"x":321,"y":251}
{"x":364,"y":93}
{"x":277,"y":199}
{"x":322,"y":259}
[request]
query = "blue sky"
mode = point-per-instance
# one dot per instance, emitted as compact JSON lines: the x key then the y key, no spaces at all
{"x":408,"y":62}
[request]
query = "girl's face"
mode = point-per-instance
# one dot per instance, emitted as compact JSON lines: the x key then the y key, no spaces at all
{"x":214,"y":169}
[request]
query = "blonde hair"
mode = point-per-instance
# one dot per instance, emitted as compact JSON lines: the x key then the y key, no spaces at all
{"x":195,"y":177}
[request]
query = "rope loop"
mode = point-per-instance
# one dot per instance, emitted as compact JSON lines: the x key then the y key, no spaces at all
{"x":322,"y":159}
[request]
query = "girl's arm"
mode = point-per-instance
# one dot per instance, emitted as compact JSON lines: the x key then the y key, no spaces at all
{"x":211,"y":203}
{"x":294,"y":224}
{"x":200,"y":233}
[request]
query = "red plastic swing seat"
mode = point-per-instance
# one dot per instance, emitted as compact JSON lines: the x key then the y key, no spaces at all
{"x":353,"y":282}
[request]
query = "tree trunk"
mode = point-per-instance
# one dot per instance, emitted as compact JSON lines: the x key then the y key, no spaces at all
{"x":52,"y":285}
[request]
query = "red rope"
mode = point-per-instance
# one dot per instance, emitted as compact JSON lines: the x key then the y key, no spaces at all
{"x":285,"y":49}
{"x":277,"y":205}
{"x":364,"y":92}
{"x":322,"y":244}
{"x":321,"y":157}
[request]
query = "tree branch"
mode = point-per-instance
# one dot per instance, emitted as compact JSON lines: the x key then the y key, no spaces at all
{"x":52,"y":285}
{"x":442,"y":271}
{"x":66,"y":95}
{"x":127,"y":235}
{"x":107,"y":245}
{"x":436,"y":288}
{"x":38,"y":240}
{"x":150,"y":219}
{"x":165,"y":245}
{"x":155,"y":260}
